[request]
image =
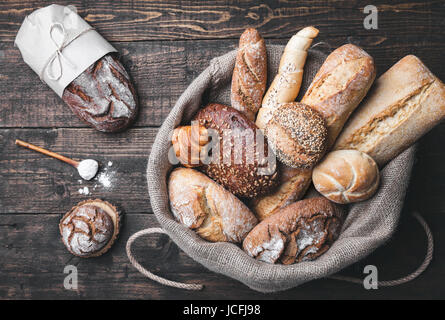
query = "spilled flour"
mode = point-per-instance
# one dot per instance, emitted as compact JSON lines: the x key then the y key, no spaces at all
{"x":105,"y":179}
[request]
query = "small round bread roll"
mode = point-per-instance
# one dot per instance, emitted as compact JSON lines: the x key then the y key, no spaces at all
{"x":297,"y":134}
{"x":346,"y":176}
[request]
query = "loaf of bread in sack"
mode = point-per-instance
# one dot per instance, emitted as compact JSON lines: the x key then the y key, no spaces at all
{"x":406,"y":102}
{"x":204,"y":206}
{"x":103,"y":96}
{"x":293,"y":184}
{"x":301,"y":231}
{"x":338,"y":87}
{"x":250,"y":74}
{"x":239,"y":164}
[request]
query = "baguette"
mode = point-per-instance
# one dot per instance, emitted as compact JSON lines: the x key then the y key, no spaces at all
{"x":250,"y":74}
{"x":406,"y":102}
{"x":338,"y":87}
{"x":287,"y":82}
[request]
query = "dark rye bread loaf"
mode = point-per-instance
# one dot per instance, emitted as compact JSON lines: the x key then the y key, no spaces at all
{"x":103,"y":96}
{"x":243,"y":175}
{"x":299,"y":232}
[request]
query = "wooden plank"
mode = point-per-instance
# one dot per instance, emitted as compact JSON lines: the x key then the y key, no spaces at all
{"x":160,"y":20}
{"x":162,"y":71}
{"x":51,"y":186}
{"x":33,"y":259}
{"x":31,"y":182}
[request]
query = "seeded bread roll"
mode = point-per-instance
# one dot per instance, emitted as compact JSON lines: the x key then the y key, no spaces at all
{"x":405,"y":103}
{"x":301,"y":231}
{"x":103,"y":96}
{"x":240,"y":166}
{"x":287,"y":82}
{"x":297,"y":134}
{"x":346,"y":176}
{"x":250,"y":74}
{"x":338,"y":87}
{"x":204,"y":206}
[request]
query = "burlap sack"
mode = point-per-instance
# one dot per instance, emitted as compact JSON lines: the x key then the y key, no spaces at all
{"x":368,"y":225}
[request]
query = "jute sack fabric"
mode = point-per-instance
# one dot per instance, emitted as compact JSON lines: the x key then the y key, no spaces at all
{"x":368,"y":224}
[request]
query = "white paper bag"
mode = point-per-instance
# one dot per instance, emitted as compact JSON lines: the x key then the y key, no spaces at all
{"x":59,"y":45}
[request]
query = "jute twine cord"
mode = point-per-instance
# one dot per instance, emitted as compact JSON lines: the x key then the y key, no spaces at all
{"x":411,"y":276}
{"x":147,"y":273}
{"x":57,"y":55}
{"x":389,"y":283}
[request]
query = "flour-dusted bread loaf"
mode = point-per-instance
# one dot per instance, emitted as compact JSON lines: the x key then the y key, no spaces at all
{"x":346,"y":176}
{"x":243,"y":163}
{"x":90,"y":228}
{"x":301,"y":231}
{"x":297,"y":134}
{"x":338,"y":87}
{"x":204,"y":206}
{"x":250,"y":74}
{"x":287,"y":82}
{"x":103,"y":96}
{"x":293,"y":184}
{"x":405,"y":103}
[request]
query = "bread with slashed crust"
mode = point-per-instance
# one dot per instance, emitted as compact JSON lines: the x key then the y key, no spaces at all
{"x":250,"y":74}
{"x":301,"y":231}
{"x":338,"y":87}
{"x":204,"y":206}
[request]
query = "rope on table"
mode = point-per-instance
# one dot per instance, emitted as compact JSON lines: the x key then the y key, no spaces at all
{"x":147,"y":273}
{"x":389,"y":283}
{"x":411,"y":276}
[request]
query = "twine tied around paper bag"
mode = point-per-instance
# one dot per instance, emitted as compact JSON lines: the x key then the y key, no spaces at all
{"x":57,"y":55}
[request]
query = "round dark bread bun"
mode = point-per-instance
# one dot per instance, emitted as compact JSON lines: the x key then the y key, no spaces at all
{"x":242,"y":168}
{"x":297,"y":134}
{"x":302,"y":231}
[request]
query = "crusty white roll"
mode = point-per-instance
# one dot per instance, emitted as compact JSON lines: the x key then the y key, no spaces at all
{"x":405,"y":103}
{"x":338,"y":87}
{"x":346,"y":176}
{"x":204,"y":206}
{"x":287,"y":82}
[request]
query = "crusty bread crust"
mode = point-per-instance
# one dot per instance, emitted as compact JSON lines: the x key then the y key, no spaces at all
{"x":245,"y":176}
{"x":250,"y":74}
{"x":203,"y":205}
{"x":292,"y":187}
{"x":301,"y":231}
{"x":338,"y":87}
{"x":405,"y":103}
{"x":346,"y":176}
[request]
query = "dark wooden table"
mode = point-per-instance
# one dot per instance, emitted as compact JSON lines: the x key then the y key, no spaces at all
{"x":165,"y":45}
